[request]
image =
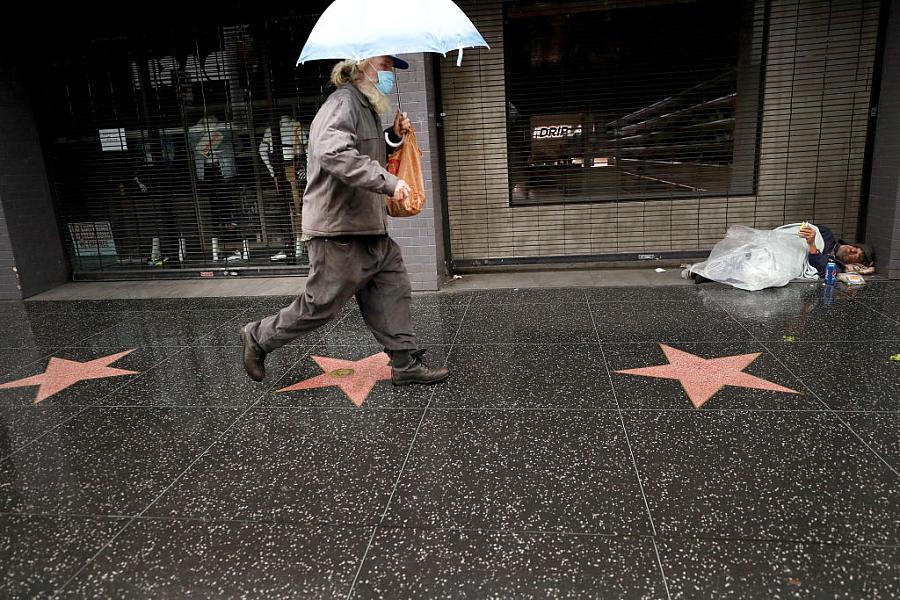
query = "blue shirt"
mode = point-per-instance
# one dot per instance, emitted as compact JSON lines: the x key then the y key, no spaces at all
{"x":820,"y":259}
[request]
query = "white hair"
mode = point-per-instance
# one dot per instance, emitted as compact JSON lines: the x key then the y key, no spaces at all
{"x":349,"y":72}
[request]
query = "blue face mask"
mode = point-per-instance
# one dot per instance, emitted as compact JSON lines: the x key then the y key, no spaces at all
{"x":385,"y":82}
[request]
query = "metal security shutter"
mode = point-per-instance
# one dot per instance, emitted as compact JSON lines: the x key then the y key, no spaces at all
{"x":178,"y":150}
{"x":579,"y":136}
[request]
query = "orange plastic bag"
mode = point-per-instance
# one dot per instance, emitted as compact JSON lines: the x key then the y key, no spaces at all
{"x":406,"y":163}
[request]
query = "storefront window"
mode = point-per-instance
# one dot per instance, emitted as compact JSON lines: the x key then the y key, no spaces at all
{"x":631,"y":100}
{"x":181,"y":149}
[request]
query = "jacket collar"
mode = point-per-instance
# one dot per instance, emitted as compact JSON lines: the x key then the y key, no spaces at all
{"x":360,"y":97}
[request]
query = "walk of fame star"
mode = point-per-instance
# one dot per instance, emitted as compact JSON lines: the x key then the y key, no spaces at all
{"x":701,"y":378}
{"x":62,"y":373}
{"x":355,"y":378}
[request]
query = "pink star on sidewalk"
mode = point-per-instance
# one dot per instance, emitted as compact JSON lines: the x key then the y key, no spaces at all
{"x":355,"y":378}
{"x":62,"y":373}
{"x":701,"y":378}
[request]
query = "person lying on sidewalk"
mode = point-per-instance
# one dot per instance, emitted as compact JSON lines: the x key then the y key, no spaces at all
{"x":752,"y":259}
{"x":855,"y":258}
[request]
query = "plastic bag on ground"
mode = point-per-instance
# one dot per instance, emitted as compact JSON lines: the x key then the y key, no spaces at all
{"x":752,"y":259}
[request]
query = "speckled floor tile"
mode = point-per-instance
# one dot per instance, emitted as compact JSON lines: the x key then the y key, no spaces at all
{"x":664,"y":322}
{"x":773,"y":303}
{"x":20,"y":425}
{"x":634,"y":391}
{"x":523,"y":470}
{"x":437,"y":323}
{"x":774,"y":313}
{"x":846,"y":375}
{"x":763,"y":475}
{"x":878,"y":289}
{"x":758,"y":494}
{"x":176,"y":559}
{"x":815,"y":319}
{"x":751,"y":570}
{"x":20,"y":329}
{"x":442,"y":298}
{"x":383,"y":393}
{"x":108,"y":461}
{"x":690,"y":294}
{"x":42,"y":307}
{"x":156,"y":304}
{"x":529,"y":296}
{"x":204,"y":376}
{"x":182,"y":328}
{"x":229,"y":334}
{"x":438,"y":565}
{"x":140,"y":361}
{"x":299,"y":466}
{"x":39,"y":554}
{"x":271,"y":303}
{"x":435,"y":320}
{"x":433,"y":323}
{"x":13,"y":359}
{"x":889,"y":306}
{"x":881,"y":431}
{"x":529,"y":376}
{"x":550,"y":323}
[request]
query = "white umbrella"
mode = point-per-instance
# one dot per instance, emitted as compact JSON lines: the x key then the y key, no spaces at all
{"x":363,"y":28}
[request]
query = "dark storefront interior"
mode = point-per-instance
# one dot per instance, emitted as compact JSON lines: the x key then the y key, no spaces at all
{"x":175,"y":141}
{"x":631,"y":102}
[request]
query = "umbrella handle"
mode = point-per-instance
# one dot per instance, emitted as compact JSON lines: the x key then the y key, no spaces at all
{"x":399,"y":98}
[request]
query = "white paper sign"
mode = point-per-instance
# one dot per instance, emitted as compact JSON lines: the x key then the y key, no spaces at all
{"x":113,"y":140}
{"x":93,"y":239}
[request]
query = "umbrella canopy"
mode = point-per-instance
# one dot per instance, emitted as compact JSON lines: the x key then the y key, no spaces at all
{"x":362,"y":28}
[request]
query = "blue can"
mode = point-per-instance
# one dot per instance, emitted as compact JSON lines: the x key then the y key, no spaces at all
{"x":830,"y":272}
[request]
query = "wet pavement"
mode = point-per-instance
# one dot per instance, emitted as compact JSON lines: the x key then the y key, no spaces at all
{"x":666,"y":442}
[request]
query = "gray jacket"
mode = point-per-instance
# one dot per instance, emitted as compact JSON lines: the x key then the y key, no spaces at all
{"x":346,"y":178}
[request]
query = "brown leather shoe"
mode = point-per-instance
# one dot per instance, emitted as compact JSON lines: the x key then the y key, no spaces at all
{"x":254,"y":358}
{"x":409,"y":369}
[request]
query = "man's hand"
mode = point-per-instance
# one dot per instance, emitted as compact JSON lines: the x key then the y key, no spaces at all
{"x":402,"y":124}
{"x":402,"y":191}
{"x":809,"y":234}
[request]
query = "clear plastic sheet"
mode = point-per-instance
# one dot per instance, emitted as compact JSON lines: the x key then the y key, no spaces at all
{"x":752,"y":259}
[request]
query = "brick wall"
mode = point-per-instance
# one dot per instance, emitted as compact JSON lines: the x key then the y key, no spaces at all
{"x":420,"y":236}
{"x":819,"y":62}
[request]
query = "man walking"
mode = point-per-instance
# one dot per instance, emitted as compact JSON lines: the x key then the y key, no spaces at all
{"x":345,"y":219}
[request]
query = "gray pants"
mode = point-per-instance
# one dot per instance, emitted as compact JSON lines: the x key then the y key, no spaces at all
{"x":369,"y":267}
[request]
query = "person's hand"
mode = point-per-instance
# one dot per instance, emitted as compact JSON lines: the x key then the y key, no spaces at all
{"x":402,"y":191}
{"x":402,"y":124}
{"x":809,"y":234}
